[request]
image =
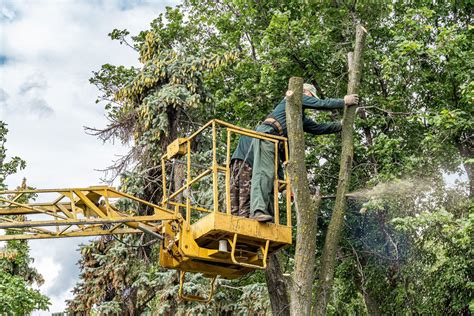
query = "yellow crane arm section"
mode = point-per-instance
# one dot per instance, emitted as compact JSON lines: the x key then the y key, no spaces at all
{"x":76,"y":212}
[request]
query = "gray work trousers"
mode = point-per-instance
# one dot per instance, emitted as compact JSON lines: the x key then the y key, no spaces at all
{"x":263,"y":174}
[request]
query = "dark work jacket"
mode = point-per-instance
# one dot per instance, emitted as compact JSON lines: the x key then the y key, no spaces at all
{"x":244,"y":150}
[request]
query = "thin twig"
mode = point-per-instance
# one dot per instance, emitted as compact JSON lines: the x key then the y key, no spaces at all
{"x":386,"y":111}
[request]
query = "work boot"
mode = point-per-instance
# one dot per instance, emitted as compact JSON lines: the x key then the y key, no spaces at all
{"x":244,"y":214}
{"x":262,"y":217}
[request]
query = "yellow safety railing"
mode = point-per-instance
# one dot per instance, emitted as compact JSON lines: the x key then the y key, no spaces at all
{"x":216,"y":130}
{"x":195,"y":298}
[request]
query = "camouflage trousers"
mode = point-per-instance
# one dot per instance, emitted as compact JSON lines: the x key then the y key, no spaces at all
{"x":240,"y":183}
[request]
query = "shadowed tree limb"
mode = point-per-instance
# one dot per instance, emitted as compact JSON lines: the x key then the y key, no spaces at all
{"x":277,"y":288}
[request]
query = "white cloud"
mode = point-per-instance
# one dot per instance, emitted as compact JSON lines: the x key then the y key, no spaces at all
{"x":50,"y":269}
{"x":28,"y":99}
{"x":7,"y":14}
{"x":3,"y":98}
{"x":48,"y":50}
{"x":56,"y":260}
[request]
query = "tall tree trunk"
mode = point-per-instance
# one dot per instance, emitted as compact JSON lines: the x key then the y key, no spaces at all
{"x":371,"y":304}
{"x":359,"y":280}
{"x":328,"y":258}
{"x":306,"y":206}
{"x":277,"y":287}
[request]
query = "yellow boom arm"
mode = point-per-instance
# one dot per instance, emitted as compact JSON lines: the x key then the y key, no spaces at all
{"x":76,"y":212}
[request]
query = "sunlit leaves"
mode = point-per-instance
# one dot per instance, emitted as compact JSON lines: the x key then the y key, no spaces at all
{"x":7,"y":167}
{"x":17,"y":298}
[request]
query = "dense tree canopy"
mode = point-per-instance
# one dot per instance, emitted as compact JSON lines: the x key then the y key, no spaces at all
{"x":406,"y":245}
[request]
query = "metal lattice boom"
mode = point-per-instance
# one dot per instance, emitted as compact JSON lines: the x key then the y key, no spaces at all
{"x":75,"y":212}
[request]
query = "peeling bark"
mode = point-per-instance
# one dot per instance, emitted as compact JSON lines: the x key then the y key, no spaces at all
{"x":306,"y":206}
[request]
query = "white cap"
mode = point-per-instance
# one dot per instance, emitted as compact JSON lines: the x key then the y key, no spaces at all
{"x":310,"y":88}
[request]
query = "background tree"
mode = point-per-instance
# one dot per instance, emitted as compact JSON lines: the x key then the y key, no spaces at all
{"x":17,"y":277}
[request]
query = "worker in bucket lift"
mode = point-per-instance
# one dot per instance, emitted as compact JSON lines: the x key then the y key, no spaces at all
{"x":253,"y":161}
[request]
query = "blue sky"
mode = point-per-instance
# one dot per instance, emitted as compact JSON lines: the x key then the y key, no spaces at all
{"x":48,"y":50}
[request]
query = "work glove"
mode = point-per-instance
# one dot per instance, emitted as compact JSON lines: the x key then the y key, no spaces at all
{"x":351,"y":99}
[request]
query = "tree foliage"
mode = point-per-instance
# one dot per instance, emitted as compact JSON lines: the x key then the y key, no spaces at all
{"x":17,"y":277}
{"x":7,"y":168}
{"x":232,"y":60}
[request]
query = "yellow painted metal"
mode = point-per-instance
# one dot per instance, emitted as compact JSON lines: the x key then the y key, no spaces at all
{"x":196,"y":249}
{"x":163,"y":178}
{"x":214,"y":168}
{"x":264,"y":253}
{"x":251,"y":133}
{"x":276,"y":186}
{"x":200,"y":130}
{"x":176,"y":148}
{"x":75,"y":212}
{"x":288,"y":187}
{"x":195,"y":298}
{"x":188,"y":183}
{"x":227,"y":174}
{"x":89,"y":232}
{"x":220,"y":223}
{"x":196,"y":208}
{"x":190,"y":243}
